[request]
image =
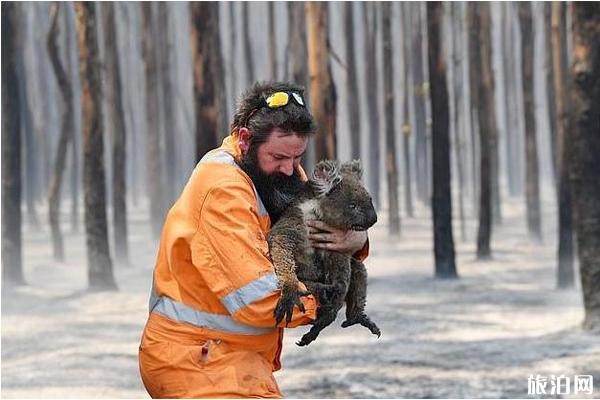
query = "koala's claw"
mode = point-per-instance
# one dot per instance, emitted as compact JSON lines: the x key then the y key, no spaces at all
{"x":307,"y":339}
{"x":365,"y":321}
{"x":285,"y":306}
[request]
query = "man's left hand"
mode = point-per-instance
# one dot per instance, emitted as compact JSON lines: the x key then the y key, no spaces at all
{"x":323,"y":236}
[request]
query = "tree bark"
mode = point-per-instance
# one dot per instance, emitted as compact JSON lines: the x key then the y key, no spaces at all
{"x":351,"y":81}
{"x":550,"y":90}
{"x":565,"y":271}
{"x":441,"y":204}
{"x":406,"y":126}
{"x":153,"y":158}
{"x":585,"y":172}
{"x":532,"y":188}
{"x":12,"y":253}
{"x":371,"y":67}
{"x":117,"y":114}
{"x":323,"y":96}
{"x":249,"y":55}
{"x":207,"y":73}
{"x":100,"y":273}
{"x":66,"y":134}
{"x":390,"y":130}
{"x":272,"y":42}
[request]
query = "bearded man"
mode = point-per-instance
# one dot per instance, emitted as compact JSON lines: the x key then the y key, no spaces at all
{"x":211,"y":330}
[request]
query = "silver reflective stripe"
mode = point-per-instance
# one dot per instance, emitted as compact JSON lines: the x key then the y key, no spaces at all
{"x":182,"y":313}
{"x":223,"y":157}
{"x":255,"y":290}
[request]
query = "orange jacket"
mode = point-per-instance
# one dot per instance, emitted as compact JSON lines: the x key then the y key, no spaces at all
{"x":211,"y":330}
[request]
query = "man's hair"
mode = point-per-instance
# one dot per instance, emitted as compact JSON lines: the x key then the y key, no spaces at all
{"x":251,"y":113}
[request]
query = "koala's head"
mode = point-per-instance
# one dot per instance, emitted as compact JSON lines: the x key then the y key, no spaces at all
{"x":343,"y":200}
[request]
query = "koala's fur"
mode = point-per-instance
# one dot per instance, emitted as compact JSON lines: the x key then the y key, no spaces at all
{"x":336,"y":196}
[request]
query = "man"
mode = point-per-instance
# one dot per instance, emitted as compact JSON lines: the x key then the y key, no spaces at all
{"x":211,"y":329}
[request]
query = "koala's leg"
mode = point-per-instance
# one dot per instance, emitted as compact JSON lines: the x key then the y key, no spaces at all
{"x":356,"y":299}
{"x":323,"y":291}
{"x":282,"y":255}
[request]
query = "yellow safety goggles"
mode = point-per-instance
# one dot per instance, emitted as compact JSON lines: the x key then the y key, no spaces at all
{"x":280,"y":99}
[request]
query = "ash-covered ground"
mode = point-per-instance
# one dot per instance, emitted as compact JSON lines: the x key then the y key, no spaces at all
{"x":479,"y":336}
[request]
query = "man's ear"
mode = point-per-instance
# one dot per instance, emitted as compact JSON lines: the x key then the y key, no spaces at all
{"x":245,"y":137}
{"x":325,"y":176}
{"x":353,"y":167}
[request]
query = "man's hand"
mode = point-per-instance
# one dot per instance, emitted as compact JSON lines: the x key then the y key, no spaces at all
{"x":323,"y":236}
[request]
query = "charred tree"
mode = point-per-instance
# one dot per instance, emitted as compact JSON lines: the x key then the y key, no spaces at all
{"x":565,"y":271}
{"x":153,"y":159}
{"x":532,"y":185}
{"x":119,"y":141}
{"x":585,"y":172}
{"x":550,"y":90}
{"x":351,"y":81}
{"x":233,"y":49}
{"x":207,"y":73}
{"x":323,"y":98}
{"x":406,"y":126}
{"x":248,"y":54}
{"x":100,"y":273}
{"x":441,"y":204}
{"x":272,"y":42}
{"x":12,"y":253}
{"x":66,"y":134}
{"x":391,"y":165}
{"x":369,"y":12}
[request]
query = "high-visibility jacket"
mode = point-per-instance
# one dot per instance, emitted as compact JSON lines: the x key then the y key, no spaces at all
{"x":211,"y":329}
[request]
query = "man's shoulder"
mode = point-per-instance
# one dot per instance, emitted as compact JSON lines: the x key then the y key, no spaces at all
{"x":220,"y":171}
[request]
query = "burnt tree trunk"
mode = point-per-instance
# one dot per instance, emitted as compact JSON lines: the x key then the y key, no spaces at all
{"x":233,"y":50}
{"x":205,"y":45}
{"x":323,"y":96}
{"x":585,"y":172}
{"x":272,"y":42}
{"x":550,"y":90}
{"x":100,"y":273}
{"x":248,"y":55}
{"x":441,"y":204}
{"x":351,"y":81}
{"x":12,"y":253}
{"x":117,"y":117}
{"x":406,"y":126}
{"x":532,"y":185}
{"x":66,"y":134}
{"x":391,"y":166}
{"x":565,"y":272}
{"x":153,"y":159}
{"x":369,"y":11}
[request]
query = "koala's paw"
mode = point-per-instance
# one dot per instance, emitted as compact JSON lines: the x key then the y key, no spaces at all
{"x":307,"y":339}
{"x":290,"y":297}
{"x":363,"y":320}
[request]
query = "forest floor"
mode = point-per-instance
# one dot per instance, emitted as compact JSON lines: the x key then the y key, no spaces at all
{"x":479,"y":336}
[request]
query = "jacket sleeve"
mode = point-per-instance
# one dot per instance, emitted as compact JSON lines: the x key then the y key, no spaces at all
{"x":240,"y":272}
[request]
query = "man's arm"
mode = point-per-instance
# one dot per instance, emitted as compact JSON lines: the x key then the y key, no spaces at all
{"x":240,"y":274}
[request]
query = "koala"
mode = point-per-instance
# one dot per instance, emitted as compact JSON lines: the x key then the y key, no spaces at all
{"x":335,"y":195}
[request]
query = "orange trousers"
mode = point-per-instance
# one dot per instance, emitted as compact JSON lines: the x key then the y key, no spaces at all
{"x":176,"y":363}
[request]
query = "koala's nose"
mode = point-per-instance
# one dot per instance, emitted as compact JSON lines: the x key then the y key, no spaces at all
{"x":371,"y":217}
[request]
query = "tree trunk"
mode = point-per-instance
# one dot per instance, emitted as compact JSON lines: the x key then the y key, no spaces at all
{"x":487,"y":123}
{"x":565,"y":271}
{"x":550,"y":90}
{"x":532,"y":188}
{"x":100,"y":273}
{"x":272,"y":42}
{"x":585,"y":172}
{"x":248,"y":54}
{"x":233,"y":51}
{"x":205,"y":45}
{"x":420,"y":107}
{"x":66,"y":133}
{"x":369,"y":11}
{"x":12,"y":253}
{"x":441,"y":204}
{"x":406,"y":126}
{"x":351,"y":81}
{"x":323,"y":96}
{"x":153,"y":159}
{"x":390,"y":130}
{"x":117,"y":117}
{"x":459,"y":123}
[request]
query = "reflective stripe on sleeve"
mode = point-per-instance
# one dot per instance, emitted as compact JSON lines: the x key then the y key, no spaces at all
{"x":225,"y":323}
{"x":255,"y":290}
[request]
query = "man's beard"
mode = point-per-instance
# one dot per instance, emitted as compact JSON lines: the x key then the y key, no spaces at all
{"x":277,"y":191}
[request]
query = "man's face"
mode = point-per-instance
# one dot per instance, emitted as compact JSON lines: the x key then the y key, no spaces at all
{"x":272,"y":167}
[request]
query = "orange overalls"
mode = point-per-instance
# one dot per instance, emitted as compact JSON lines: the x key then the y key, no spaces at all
{"x":211,"y":330}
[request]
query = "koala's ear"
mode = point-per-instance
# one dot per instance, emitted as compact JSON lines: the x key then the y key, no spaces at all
{"x":325,"y":176}
{"x":353,"y":167}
